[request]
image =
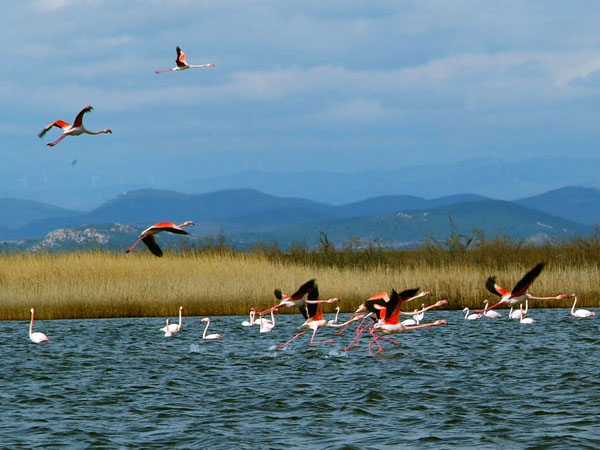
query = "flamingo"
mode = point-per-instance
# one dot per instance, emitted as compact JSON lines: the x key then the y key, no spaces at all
{"x":167,"y":330}
{"x":473,"y":316}
{"x":209,"y":336}
{"x":491,"y":314}
{"x":147,"y":236}
{"x":266,"y":326}
{"x":174,"y":327}
{"x":580,"y":312}
{"x":38,"y":337}
{"x":335,"y":319}
{"x":519,"y":293}
{"x":249,"y":323}
{"x":71,"y":130}
{"x":524,"y":319}
{"x":315,"y":318}
{"x":297,"y":299}
{"x":181,"y":63}
{"x":420,"y":316}
{"x":517,"y":314}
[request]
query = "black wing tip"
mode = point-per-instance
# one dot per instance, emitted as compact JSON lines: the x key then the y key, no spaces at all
{"x":490,"y":285}
{"x":408,"y":293}
{"x":278,"y":295}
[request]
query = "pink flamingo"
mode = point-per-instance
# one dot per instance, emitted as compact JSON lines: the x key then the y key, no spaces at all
{"x":38,"y":337}
{"x":71,"y":130}
{"x":519,"y":294}
{"x":181,"y":64}
{"x":174,"y":327}
{"x":209,"y":336}
{"x":580,"y":312}
{"x":147,"y":236}
{"x":296,"y":299}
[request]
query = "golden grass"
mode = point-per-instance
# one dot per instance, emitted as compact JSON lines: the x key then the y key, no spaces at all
{"x":103,"y":284}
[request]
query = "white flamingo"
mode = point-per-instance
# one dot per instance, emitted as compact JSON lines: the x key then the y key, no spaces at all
{"x":266,"y":325}
{"x":472,"y":316}
{"x":174,"y":327}
{"x":491,"y":314}
{"x":71,"y":130}
{"x":524,"y":319}
{"x":38,"y":337}
{"x":209,"y":336}
{"x":249,"y":323}
{"x":419,"y":317}
{"x":580,"y":312}
{"x":517,"y":314}
{"x":335,"y":319}
{"x":414,"y":321}
{"x":181,"y":63}
{"x":168,"y":332}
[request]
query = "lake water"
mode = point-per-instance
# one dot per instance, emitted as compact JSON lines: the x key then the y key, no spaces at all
{"x":119,"y":383}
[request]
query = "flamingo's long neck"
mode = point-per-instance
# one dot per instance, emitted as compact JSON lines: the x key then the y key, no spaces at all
{"x":573,"y":307}
{"x":180,"y":317}
{"x":206,"y":328}
{"x":86,"y":131}
{"x":252,"y":317}
{"x":466,"y":312}
{"x":272,"y":318}
{"x":31,"y":325}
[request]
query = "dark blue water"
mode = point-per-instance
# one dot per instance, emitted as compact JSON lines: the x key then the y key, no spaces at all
{"x":120,"y":384}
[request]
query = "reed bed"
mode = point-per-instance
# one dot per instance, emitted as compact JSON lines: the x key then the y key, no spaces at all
{"x":98,"y":284}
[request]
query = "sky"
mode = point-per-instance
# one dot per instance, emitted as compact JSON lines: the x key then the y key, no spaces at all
{"x":297,"y":86}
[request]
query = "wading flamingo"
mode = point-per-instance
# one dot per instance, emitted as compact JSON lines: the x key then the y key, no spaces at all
{"x":71,"y":130}
{"x":335,"y":319}
{"x":249,"y":323}
{"x":174,"y":327}
{"x":517,"y":314}
{"x":519,"y":293}
{"x":166,"y":329}
{"x":38,"y":337}
{"x":209,"y":336}
{"x":266,"y":326}
{"x":472,"y":316}
{"x":524,"y":319}
{"x":491,"y":314}
{"x":580,"y":312}
{"x":181,"y":63}
{"x":147,"y":236}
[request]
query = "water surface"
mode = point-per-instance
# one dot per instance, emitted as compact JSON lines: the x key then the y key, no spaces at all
{"x":119,"y":383}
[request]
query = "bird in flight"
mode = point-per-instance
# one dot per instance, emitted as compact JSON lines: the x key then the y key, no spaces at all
{"x":147,"y":236}
{"x":181,"y":63}
{"x":71,"y":130}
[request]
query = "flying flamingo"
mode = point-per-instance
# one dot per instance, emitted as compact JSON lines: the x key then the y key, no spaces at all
{"x":147,"y":236}
{"x":490,"y":314}
{"x":166,"y":329}
{"x":519,"y":293}
{"x":524,"y":319}
{"x":174,"y":327}
{"x":315,"y":318}
{"x":38,"y":337}
{"x":473,"y":316}
{"x":181,"y":63}
{"x":71,"y":130}
{"x":209,"y":336}
{"x":296,"y":299}
{"x":580,"y":312}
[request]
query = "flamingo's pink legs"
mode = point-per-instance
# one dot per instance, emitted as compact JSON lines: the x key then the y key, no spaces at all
{"x":292,"y":339}
{"x":313,"y":342}
{"x":359,"y":332}
{"x":53,"y":143}
{"x":350,"y":320}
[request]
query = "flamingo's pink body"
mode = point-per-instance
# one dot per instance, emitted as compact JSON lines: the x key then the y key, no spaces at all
{"x":147,"y":236}
{"x":71,"y":130}
{"x":181,"y":63}
{"x":174,"y":327}
{"x":209,"y":336}
{"x":580,"y":312}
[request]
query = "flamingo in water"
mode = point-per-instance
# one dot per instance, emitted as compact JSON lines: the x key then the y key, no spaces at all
{"x":71,"y":130}
{"x":147,"y":236}
{"x":173,"y":327}
{"x":209,"y":336}
{"x":38,"y":337}
{"x":181,"y":63}
{"x":519,"y":294}
{"x":168,"y":332}
{"x":580,"y":312}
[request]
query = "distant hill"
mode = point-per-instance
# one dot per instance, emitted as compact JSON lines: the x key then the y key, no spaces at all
{"x":16,"y":212}
{"x":578,"y":204}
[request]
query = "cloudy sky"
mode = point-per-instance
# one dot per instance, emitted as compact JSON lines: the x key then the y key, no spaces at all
{"x":298,"y":85}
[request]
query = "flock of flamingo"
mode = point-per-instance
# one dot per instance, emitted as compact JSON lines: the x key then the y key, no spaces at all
{"x":379,"y":315}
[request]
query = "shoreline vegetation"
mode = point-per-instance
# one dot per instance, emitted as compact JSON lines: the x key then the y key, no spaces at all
{"x":217,"y":280}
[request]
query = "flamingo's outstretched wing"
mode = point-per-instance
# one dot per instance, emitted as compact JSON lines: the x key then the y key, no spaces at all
{"x":79,"y":118}
{"x":180,"y":61}
{"x":59,"y":123}
{"x":304,"y":289}
{"x":491,"y":286}
{"x":524,"y":283}
{"x":152,"y":245}
{"x":408,"y":293}
{"x":311,"y":308}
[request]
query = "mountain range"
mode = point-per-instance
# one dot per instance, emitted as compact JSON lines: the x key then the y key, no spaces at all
{"x":248,"y":217}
